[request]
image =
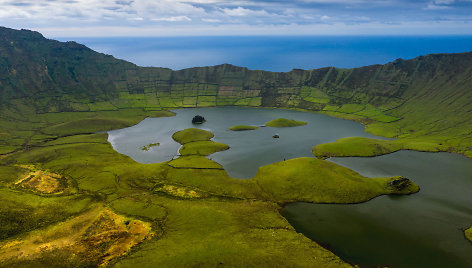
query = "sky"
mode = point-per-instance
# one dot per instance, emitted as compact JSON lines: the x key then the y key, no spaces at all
{"x":93,"y":18}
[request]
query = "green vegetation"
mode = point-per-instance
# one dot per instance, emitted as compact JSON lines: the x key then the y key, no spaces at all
{"x":282,"y":122}
{"x":314,"y":180}
{"x":228,"y":233}
{"x":197,"y":142}
{"x":202,"y":148}
{"x":149,"y":146}
{"x":194,"y":161}
{"x":468,"y":234}
{"x":359,"y":146}
{"x":192,"y":135}
{"x":243,"y":127}
{"x":207,"y":217}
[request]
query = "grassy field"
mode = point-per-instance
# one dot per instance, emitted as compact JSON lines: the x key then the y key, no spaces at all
{"x":318,"y":181}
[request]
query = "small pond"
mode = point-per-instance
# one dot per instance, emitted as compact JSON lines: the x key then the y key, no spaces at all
{"x":420,"y":230}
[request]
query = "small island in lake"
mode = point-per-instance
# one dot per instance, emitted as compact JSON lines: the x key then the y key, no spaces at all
{"x":282,"y":122}
{"x":198,"y":119}
{"x":148,"y":147}
{"x":243,"y":128}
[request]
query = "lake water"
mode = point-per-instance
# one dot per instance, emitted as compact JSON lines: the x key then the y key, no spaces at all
{"x":274,"y":53}
{"x":420,"y":230}
{"x":249,"y":149}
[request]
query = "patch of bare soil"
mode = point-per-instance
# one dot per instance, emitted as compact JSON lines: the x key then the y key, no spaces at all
{"x":97,"y":236}
{"x":43,"y":182}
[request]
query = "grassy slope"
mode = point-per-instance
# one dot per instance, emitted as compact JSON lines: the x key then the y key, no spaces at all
{"x":359,"y":146}
{"x":313,"y":180}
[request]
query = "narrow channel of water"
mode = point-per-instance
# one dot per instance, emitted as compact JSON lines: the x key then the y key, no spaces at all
{"x":420,"y":230}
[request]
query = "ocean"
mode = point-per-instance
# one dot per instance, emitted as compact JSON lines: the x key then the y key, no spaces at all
{"x":274,"y":53}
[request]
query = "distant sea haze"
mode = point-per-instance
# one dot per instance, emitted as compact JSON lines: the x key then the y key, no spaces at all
{"x":273,"y":53}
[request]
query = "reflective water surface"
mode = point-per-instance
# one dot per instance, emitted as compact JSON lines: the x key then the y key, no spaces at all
{"x":249,"y":149}
{"x":420,"y":230}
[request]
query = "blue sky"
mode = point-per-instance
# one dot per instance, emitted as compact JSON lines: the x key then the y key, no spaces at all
{"x":89,"y":18}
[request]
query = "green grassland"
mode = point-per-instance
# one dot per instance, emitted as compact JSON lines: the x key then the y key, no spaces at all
{"x":198,"y":213}
{"x":359,"y":146}
{"x":314,"y":180}
{"x":243,"y":128}
{"x":282,"y":122}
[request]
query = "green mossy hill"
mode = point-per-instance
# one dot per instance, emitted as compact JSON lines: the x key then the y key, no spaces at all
{"x":203,"y":148}
{"x":192,"y":135}
{"x":282,"y":122}
{"x":468,"y":234}
{"x":359,"y":146}
{"x":243,"y":127}
{"x":313,"y":180}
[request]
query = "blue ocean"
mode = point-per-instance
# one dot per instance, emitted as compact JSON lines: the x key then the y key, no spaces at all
{"x":274,"y":53}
